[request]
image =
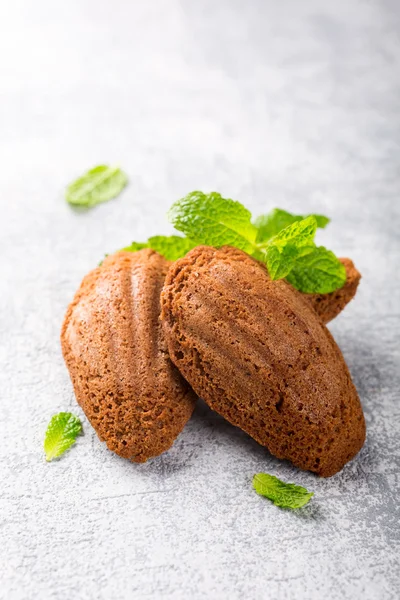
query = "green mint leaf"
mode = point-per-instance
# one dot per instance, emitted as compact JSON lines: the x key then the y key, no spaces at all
{"x":278,"y":219}
{"x":61,"y":434}
{"x":171,"y":247}
{"x":135,"y":246}
{"x":280,"y":261}
{"x":282,"y":251}
{"x":299,"y":233}
{"x":100,"y":184}
{"x":322,"y":220}
{"x":285,"y":495}
{"x":319,"y":272}
{"x":215,"y":221}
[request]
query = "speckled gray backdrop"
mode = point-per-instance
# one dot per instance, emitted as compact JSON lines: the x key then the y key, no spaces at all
{"x":292,"y":104}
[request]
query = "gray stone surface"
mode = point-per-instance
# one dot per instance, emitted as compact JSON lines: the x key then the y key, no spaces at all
{"x":292,"y":104}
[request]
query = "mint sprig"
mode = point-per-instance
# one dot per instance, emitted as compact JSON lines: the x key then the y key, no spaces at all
{"x":272,"y":223}
{"x":285,"y":495}
{"x":213,"y":220}
{"x":61,"y":434}
{"x":97,"y":185}
{"x":283,"y":241}
{"x":171,"y":247}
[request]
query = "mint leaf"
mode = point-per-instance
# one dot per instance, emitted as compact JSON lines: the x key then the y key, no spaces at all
{"x":61,"y":434}
{"x":135,"y":246}
{"x":171,"y":247}
{"x":215,"y":221}
{"x":318,"y":272}
{"x":299,"y":233}
{"x":97,"y":185}
{"x":282,"y":251}
{"x":278,"y":219}
{"x":285,"y":495}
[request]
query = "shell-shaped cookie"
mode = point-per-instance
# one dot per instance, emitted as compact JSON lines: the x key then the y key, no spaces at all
{"x":114,"y":348}
{"x":258,"y":354}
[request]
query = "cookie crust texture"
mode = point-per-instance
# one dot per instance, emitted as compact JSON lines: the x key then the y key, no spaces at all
{"x":114,"y":347}
{"x":256,"y":351}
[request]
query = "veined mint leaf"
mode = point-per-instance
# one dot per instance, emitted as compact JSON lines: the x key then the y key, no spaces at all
{"x":61,"y":434}
{"x":215,"y":221}
{"x":280,"y":260}
{"x":319,"y":272}
{"x":278,"y":219}
{"x":299,"y":233}
{"x":99,"y":184}
{"x":282,"y":251}
{"x":285,"y":495}
{"x":171,"y":247}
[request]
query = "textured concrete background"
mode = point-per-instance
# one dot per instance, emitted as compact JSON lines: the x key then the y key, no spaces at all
{"x":292,"y":104}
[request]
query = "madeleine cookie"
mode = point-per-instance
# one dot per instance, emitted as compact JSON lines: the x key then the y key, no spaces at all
{"x":114,"y":348}
{"x":258,"y":354}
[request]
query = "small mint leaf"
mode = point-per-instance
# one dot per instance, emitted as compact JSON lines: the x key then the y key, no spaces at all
{"x":280,"y":260}
{"x":299,"y":233}
{"x":213,"y":220}
{"x":319,"y":272}
{"x":278,"y":219}
{"x":135,"y":246}
{"x":282,"y":251}
{"x":97,"y":185}
{"x":171,"y":247}
{"x":322,"y":220}
{"x":285,"y":495}
{"x":61,"y":434}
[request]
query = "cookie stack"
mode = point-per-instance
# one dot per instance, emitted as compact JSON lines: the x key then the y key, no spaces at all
{"x":144,"y":338}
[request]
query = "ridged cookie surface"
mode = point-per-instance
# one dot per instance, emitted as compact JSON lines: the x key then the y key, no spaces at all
{"x":259,"y":355}
{"x":114,"y":348}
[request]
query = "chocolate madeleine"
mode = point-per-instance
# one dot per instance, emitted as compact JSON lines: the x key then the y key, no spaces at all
{"x":328,"y":306}
{"x":259,"y":355}
{"x":114,"y":348}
